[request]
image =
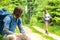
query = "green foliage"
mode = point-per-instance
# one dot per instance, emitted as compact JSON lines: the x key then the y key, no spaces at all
{"x":1,"y":37}
{"x":33,"y":10}
{"x":10,"y":4}
{"x":53,"y":6}
{"x":34,"y":7}
{"x":33,"y":20}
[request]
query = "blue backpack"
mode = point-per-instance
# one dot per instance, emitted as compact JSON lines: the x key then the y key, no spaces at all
{"x":3,"y":14}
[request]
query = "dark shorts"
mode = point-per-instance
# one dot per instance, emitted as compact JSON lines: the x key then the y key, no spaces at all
{"x":47,"y":21}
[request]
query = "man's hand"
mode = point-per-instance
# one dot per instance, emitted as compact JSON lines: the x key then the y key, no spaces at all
{"x":19,"y":35}
{"x":26,"y":37}
{"x":23,"y":36}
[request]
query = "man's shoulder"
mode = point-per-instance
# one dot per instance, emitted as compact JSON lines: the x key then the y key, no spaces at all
{"x":19,"y":18}
{"x":8,"y":17}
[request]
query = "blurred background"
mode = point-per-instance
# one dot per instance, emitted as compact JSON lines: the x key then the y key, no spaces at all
{"x":33,"y":14}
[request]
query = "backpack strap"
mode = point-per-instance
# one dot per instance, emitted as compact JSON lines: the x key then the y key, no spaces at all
{"x":10,"y":18}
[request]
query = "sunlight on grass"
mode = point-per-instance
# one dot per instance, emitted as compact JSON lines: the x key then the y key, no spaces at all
{"x":53,"y":29}
{"x":43,"y":35}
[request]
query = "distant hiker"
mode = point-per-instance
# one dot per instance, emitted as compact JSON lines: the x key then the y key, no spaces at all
{"x":10,"y":22}
{"x":46,"y":17}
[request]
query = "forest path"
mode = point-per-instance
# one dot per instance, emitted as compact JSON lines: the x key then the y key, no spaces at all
{"x":32,"y":35}
{"x":50,"y":34}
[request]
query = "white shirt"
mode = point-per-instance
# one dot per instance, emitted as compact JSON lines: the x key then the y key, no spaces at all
{"x":47,"y":16}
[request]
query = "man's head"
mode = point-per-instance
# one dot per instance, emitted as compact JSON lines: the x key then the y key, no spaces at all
{"x":17,"y":12}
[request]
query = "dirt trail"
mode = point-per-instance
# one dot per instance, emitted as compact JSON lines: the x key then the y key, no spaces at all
{"x":50,"y":34}
{"x":33,"y":35}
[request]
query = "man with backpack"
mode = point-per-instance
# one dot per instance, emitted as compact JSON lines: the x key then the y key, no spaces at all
{"x":10,"y":22}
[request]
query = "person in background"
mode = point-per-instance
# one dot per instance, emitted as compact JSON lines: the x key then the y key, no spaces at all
{"x":46,"y":17}
{"x":10,"y":23}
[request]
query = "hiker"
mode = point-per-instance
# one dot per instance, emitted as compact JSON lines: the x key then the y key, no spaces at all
{"x":46,"y":17}
{"x":10,"y":23}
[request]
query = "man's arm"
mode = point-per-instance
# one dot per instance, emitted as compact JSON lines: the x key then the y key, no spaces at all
{"x":7,"y":21}
{"x":25,"y":37}
{"x":20,"y":26}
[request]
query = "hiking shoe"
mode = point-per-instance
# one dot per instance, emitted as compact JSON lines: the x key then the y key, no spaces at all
{"x":46,"y":32}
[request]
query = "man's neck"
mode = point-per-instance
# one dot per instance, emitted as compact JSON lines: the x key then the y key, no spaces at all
{"x":14,"y":16}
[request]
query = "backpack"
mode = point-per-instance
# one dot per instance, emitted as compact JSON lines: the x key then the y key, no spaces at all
{"x":3,"y":14}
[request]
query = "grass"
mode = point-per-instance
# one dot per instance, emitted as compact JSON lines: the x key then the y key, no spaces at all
{"x":17,"y":30}
{"x":53,"y":29}
{"x":1,"y":37}
{"x":43,"y":35}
